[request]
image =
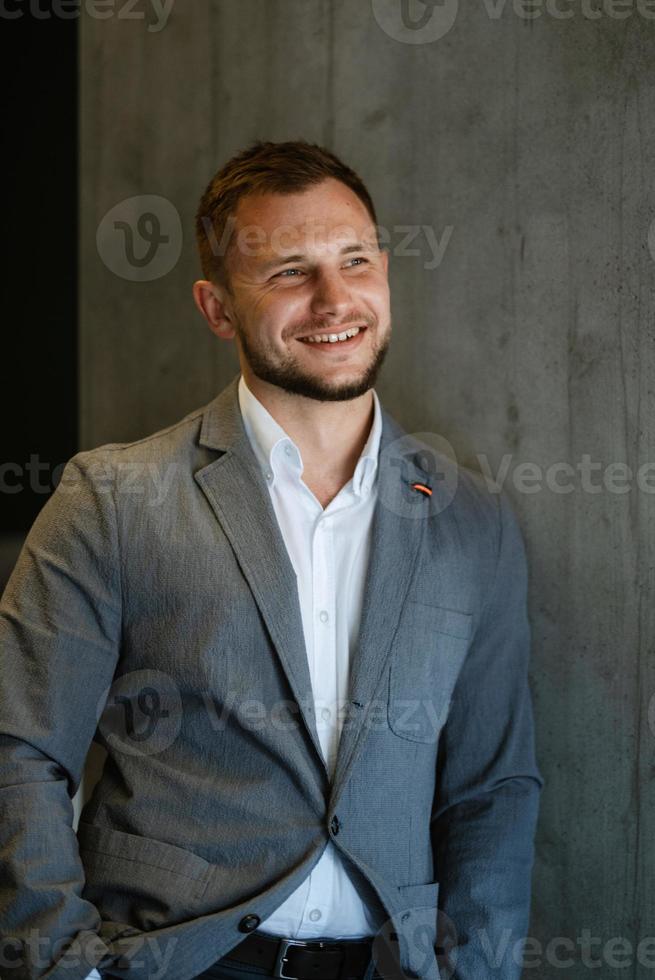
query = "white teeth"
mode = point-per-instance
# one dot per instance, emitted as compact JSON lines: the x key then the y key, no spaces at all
{"x":332,"y":338}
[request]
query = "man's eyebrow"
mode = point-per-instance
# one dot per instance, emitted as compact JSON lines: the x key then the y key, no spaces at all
{"x":300,"y":257}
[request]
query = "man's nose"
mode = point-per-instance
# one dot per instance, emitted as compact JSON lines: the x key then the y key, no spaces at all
{"x":331,"y":294}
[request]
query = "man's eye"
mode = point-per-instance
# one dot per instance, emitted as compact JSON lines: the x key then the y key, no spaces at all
{"x":284,"y":273}
{"x":291,"y":273}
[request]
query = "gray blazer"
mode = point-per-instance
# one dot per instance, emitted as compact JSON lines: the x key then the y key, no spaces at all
{"x":154,"y":608}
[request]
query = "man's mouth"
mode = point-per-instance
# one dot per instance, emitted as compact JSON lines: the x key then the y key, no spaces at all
{"x":342,"y":337}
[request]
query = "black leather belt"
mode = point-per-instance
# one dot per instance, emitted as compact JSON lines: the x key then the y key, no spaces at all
{"x":307,"y":959}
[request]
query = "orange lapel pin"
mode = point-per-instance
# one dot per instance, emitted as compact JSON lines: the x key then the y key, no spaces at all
{"x":422,"y":488}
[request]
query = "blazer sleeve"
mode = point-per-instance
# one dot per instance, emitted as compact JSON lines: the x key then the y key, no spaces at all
{"x":488,"y":785}
{"x":60,"y":623}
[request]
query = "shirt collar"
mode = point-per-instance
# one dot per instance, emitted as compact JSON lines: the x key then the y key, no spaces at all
{"x":275,"y":449}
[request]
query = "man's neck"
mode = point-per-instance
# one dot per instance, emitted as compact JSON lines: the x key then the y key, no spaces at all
{"x":330,"y":435}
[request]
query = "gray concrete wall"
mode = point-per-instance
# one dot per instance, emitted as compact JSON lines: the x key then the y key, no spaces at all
{"x":526,"y":146}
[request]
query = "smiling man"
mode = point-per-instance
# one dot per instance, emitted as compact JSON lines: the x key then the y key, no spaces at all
{"x":307,"y":661}
{"x":307,"y":300}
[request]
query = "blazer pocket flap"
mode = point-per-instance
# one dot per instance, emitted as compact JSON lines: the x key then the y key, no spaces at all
{"x":419,"y":896}
{"x":145,"y":850}
{"x":429,"y":617}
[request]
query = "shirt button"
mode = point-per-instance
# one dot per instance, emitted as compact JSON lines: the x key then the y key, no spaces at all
{"x":288,"y":450}
{"x":269,"y":475}
{"x":325,"y":714}
{"x":315,"y":915}
{"x":323,"y":616}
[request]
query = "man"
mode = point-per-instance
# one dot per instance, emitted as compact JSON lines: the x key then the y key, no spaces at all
{"x":299,"y":633}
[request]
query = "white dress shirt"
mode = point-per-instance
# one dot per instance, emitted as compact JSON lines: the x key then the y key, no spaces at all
{"x":329,"y":550}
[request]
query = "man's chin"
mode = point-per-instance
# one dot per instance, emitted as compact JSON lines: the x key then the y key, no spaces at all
{"x":322,"y":389}
{"x":296,"y":379}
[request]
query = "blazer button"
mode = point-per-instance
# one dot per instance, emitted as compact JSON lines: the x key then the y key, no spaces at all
{"x":334,"y":826}
{"x":248,"y":923}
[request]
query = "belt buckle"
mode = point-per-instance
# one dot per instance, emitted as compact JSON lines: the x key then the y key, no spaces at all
{"x":282,"y":954}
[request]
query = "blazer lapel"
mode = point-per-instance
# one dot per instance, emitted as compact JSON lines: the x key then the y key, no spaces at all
{"x":398,"y":526}
{"x":236,"y":490}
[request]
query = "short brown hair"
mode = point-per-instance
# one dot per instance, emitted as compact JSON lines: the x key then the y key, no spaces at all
{"x":279,"y":168}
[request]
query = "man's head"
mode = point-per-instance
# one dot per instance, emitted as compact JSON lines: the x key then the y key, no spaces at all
{"x":287,"y":236}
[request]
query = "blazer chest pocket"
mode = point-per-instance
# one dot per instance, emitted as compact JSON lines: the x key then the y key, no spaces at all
{"x":429,"y":648}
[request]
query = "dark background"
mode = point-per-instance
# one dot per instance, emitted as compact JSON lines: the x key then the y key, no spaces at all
{"x":38,"y":72}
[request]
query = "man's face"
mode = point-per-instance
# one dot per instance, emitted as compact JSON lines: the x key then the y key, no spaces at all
{"x":305,"y":264}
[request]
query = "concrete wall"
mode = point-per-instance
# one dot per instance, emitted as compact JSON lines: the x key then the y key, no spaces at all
{"x":526,"y":146}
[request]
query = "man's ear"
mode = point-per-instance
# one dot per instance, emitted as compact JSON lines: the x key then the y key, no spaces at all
{"x":213,"y":303}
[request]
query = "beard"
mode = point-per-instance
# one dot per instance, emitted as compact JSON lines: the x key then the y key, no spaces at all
{"x":284,"y":371}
